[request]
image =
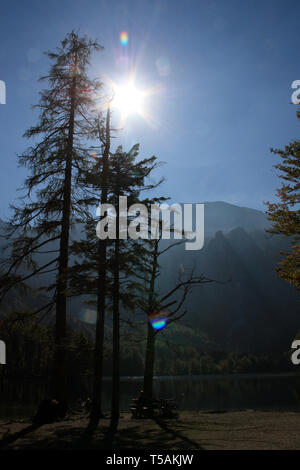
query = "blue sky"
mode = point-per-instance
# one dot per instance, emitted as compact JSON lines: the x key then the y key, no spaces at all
{"x":222,"y":72}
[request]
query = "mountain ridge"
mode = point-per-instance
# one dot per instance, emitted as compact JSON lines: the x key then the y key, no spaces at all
{"x":255,"y":310}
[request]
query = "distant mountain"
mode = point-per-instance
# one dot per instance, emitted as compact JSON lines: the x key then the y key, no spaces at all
{"x":225,"y":217}
{"x":254,"y":311}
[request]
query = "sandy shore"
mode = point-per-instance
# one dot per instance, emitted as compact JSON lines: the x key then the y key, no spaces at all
{"x":191,"y":430}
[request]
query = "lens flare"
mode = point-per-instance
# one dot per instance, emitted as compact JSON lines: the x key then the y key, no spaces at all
{"x":158,"y":320}
{"x":88,"y":316}
{"x":124,"y":38}
{"x":163,"y":66}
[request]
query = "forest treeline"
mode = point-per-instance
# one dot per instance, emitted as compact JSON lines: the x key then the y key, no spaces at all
{"x":30,"y":350}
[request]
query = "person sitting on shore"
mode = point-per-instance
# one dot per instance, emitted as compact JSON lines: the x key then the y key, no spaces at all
{"x":49,"y":411}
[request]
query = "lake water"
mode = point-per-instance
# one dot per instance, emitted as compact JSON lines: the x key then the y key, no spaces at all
{"x":219,"y":393}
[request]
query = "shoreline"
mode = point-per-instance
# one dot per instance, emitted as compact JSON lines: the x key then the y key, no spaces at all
{"x":207,"y":430}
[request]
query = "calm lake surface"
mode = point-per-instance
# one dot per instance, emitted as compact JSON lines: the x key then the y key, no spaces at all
{"x":207,"y":392}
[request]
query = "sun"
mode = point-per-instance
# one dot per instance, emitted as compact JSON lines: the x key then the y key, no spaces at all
{"x":128,"y":99}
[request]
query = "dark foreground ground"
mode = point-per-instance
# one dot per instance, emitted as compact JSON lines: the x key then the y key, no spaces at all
{"x":191,"y":430}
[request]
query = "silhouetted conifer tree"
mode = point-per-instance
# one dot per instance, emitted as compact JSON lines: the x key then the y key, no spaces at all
{"x":53,"y":199}
{"x":285,"y":214}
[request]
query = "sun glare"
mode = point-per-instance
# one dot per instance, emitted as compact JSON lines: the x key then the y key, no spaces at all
{"x":128,"y":99}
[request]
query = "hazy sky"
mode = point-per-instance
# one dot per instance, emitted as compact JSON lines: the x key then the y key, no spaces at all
{"x":221,"y":72}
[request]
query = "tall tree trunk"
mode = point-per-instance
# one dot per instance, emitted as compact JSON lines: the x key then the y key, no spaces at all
{"x":115,"y":410}
{"x":150,"y":348}
{"x":60,"y":370}
{"x":96,"y":411}
{"x":149,"y":363}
